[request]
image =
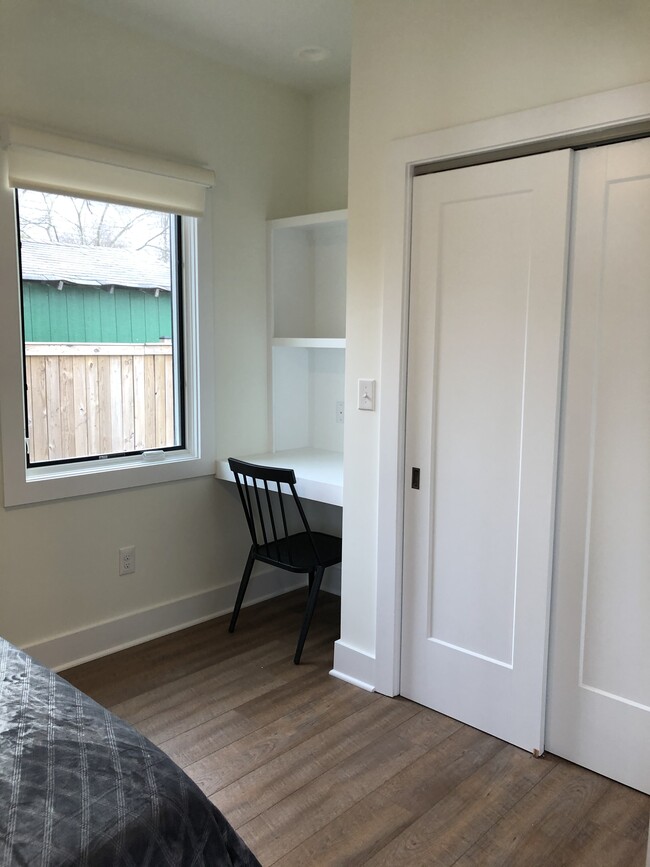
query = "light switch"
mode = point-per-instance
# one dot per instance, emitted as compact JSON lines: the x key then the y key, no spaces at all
{"x":366,"y":394}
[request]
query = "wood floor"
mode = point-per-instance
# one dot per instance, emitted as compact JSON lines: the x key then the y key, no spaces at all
{"x":314,"y":771}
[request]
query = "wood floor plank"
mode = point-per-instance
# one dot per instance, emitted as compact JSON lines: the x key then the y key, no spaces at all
{"x":206,"y":738}
{"x":161,"y":717}
{"x":466,"y":810}
{"x":241,"y":757}
{"x":613,"y":832}
{"x":218,"y":672}
{"x":161,"y":698}
{"x":411,"y":791}
{"x":595,"y":847}
{"x":263,"y":788}
{"x":292,"y":820}
{"x":427,"y":727}
{"x":204,"y":705}
{"x":316,"y":772}
{"x":287,"y":697}
{"x":442,"y":768}
{"x":545,"y":820}
{"x":351,"y":838}
{"x":624,"y":811}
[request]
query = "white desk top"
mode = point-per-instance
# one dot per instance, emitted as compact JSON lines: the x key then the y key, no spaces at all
{"x":319,"y":473}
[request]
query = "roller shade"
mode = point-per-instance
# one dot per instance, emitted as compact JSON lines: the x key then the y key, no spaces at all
{"x":43,"y":161}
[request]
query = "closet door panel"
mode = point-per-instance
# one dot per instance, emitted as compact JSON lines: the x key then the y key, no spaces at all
{"x":488,"y":276}
{"x":599,"y":673}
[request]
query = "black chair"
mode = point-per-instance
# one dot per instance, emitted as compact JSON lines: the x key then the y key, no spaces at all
{"x":273,"y":509}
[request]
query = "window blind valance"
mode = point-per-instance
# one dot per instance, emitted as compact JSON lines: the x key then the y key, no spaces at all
{"x":47,"y":162}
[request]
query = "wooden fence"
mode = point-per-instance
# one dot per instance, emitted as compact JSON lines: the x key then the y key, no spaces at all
{"x":95,"y":399}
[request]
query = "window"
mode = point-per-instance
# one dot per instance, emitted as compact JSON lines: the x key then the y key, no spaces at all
{"x":105,"y":319}
{"x":101,"y":291}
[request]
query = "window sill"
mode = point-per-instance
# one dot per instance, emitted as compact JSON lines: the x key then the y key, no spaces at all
{"x":41,"y":484}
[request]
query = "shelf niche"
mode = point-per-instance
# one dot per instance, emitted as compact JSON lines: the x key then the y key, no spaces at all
{"x":308,"y":260}
{"x":307,"y":286}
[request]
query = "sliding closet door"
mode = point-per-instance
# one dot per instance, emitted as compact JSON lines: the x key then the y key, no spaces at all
{"x":485,"y":339}
{"x":599,"y":668}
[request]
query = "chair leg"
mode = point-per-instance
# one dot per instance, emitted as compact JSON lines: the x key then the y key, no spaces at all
{"x":309,"y":611}
{"x":243,"y":584}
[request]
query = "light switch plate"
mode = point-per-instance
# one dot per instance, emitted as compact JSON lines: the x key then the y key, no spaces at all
{"x":366,"y":394}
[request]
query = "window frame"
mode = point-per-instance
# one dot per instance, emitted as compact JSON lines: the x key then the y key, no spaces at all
{"x":58,"y":481}
{"x":177,"y":242}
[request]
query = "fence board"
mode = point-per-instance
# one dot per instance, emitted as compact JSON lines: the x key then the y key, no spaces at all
{"x":92,"y":405}
{"x":169,"y":399}
{"x":28,"y":393}
{"x":81,"y":398}
{"x":68,"y":417}
{"x":53,"y":408}
{"x":115,"y":394}
{"x":139,"y":402}
{"x":38,"y":429}
{"x":149,"y":402}
{"x":159,"y":377}
{"x":128,"y":417}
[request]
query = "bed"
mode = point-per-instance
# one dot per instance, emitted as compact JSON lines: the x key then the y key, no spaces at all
{"x":78,"y":786}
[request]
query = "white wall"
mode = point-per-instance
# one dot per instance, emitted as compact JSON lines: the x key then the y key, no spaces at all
{"x":75,"y":72}
{"x":329,"y":114}
{"x":418,"y":66}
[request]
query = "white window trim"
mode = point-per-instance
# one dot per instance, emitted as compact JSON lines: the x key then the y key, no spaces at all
{"x":70,"y":480}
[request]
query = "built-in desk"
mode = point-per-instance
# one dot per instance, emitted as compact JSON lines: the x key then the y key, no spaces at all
{"x":319,"y":474}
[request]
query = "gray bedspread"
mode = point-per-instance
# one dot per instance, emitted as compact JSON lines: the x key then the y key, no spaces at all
{"x":78,"y":786}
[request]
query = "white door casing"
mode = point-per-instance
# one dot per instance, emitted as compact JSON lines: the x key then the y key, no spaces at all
{"x":599,"y":666}
{"x":488,"y":271}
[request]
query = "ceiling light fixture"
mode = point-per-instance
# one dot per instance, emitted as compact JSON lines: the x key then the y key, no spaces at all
{"x":312,"y":54}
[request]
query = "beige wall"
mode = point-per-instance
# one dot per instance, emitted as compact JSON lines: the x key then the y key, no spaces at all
{"x":73,"y":71}
{"x":421,"y":65}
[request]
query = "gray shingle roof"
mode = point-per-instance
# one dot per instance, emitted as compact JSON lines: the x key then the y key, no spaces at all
{"x":93,"y":266}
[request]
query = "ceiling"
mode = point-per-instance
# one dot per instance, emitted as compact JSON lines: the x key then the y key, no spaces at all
{"x":263,"y":37}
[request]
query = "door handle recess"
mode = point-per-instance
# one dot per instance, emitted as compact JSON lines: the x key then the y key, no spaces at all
{"x":415,"y":478}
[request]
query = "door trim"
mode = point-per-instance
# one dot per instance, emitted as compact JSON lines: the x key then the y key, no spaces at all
{"x":595,"y":119}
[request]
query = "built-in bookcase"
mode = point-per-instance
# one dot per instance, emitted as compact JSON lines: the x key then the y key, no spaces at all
{"x":306,"y":312}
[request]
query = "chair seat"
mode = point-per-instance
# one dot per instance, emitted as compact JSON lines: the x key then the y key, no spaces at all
{"x":296,"y":554}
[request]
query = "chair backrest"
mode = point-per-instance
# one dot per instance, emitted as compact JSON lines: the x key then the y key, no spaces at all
{"x":263,"y":491}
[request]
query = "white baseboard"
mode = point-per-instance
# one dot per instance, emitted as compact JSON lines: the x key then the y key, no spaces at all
{"x":353,"y":666}
{"x":100,"y":639}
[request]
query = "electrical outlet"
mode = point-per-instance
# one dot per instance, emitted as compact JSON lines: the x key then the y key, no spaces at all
{"x":127,"y":560}
{"x":339,"y":411}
